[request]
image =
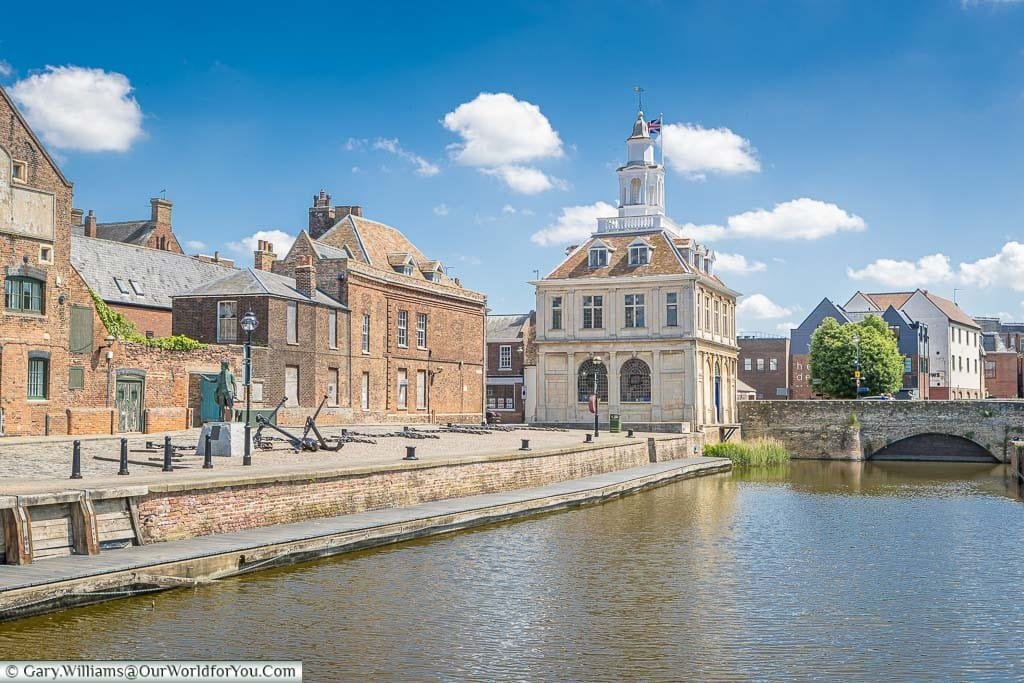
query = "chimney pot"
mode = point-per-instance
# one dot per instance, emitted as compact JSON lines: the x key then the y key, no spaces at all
{"x":90,"y":224}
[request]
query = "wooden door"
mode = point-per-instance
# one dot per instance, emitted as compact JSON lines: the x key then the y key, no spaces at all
{"x":128,"y":402}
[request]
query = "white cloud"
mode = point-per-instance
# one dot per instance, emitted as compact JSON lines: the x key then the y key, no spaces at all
{"x":391,"y":145}
{"x":5,"y":68}
{"x":787,"y":326}
{"x":356,"y":169}
{"x":574,"y":224}
{"x":508,"y":208}
{"x":441,"y":209}
{"x":807,"y":219}
{"x":195,"y":245}
{"x":525,"y":179}
{"x":281,"y":241}
{"x":703,"y":233}
{"x":736,"y":263}
{"x":83,"y":109}
{"x":760,"y":307}
{"x":695,"y":151}
{"x":498,"y":130}
{"x":912,"y":274}
{"x":352,"y":144}
{"x":1005,"y":268}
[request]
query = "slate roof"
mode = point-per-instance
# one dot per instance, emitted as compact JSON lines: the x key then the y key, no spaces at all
{"x":129,"y":232}
{"x":252,"y":282}
{"x":326,"y":251}
{"x":157,"y":275}
{"x":506,"y":328}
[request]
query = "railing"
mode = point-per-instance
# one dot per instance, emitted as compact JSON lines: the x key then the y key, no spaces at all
{"x":629,"y":223}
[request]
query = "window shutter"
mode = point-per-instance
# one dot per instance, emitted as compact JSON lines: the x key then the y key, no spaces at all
{"x":81,"y":329}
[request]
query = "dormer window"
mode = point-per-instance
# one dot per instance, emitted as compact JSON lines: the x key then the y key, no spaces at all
{"x":407,"y":269}
{"x":598,"y":257}
{"x":639,"y":254}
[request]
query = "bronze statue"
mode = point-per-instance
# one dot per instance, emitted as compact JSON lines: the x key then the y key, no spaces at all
{"x":224,"y":394}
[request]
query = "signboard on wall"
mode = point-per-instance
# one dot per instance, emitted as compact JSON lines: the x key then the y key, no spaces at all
{"x":24,"y":210}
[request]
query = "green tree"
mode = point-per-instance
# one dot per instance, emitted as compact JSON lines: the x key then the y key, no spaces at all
{"x":834,"y":353}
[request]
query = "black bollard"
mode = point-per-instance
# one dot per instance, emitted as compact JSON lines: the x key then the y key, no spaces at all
{"x":344,"y":433}
{"x":629,"y":433}
{"x":76,"y":460}
{"x":526,"y":445}
{"x":124,"y":458}
{"x":588,"y":438}
{"x":410,"y":453}
{"x":207,"y":454}
{"x":168,"y":465}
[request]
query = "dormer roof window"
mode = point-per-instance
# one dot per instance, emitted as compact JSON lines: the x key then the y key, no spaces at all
{"x":639,"y":253}
{"x":598,"y":257}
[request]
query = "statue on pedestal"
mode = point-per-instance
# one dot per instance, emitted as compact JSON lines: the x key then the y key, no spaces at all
{"x":224,"y":394}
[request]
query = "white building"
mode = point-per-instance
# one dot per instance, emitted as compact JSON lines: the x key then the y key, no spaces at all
{"x":637,"y":308}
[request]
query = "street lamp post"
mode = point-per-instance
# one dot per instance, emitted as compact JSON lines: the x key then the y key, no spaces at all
{"x":596,"y":360}
{"x":856,"y":366}
{"x":248,"y":323}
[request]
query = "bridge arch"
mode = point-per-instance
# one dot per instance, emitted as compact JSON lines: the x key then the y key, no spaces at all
{"x":935,"y":446}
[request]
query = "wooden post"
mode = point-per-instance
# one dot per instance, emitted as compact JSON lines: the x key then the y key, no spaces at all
{"x":85,"y":534}
{"x":17,"y":535}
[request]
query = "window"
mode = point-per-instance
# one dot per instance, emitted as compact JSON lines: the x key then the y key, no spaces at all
{"x":747,"y":364}
{"x":634,"y":310}
{"x":45,"y":254}
{"x":227,"y":322}
{"x":421,"y":390}
{"x":707,"y":313}
{"x":593,"y":312}
{"x":960,"y":363}
{"x":293,"y":322}
{"x":556,"y":312}
{"x":122,"y":286}
{"x":332,"y":386}
{"x":635,"y":381}
{"x":76,"y":377}
{"x":364,"y":392}
{"x":501,"y":396}
{"x":671,"y":309}
{"x":421,"y":330}
{"x":291,"y":385}
{"x":990,"y":369}
{"x":81,"y":330}
{"x":585,"y":381}
{"x":504,"y":357}
{"x":773,"y":364}
{"x":717,"y":327}
{"x":403,"y":389}
{"x":760,"y":364}
{"x":403,"y":328}
{"x":137,"y":288}
{"x":19,"y":171}
{"x":38,"y":378}
{"x":407,"y":269}
{"x":332,"y":329}
{"x":908,"y":365}
{"x":366,"y":333}
{"x":24,"y":294}
{"x":634,"y":191}
{"x":639,"y":255}
{"x":598,"y":257}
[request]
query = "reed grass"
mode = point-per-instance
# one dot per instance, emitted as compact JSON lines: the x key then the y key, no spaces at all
{"x":755,"y":452}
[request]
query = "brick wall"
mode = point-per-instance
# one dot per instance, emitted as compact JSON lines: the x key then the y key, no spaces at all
{"x":148,"y":320}
{"x":1001,"y":374}
{"x":765,"y":381}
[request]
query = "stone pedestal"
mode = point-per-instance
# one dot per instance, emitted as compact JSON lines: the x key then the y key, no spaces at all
{"x":226,"y":438}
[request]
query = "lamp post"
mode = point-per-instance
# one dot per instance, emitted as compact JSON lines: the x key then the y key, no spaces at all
{"x":596,"y":360}
{"x":856,"y":365}
{"x":248,"y":323}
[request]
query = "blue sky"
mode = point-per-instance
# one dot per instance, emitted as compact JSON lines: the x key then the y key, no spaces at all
{"x":834,"y":146}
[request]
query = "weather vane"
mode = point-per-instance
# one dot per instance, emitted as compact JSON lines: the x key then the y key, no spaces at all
{"x":639,"y":97}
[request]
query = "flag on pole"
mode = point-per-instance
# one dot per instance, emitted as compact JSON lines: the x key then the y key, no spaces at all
{"x":654,"y":126}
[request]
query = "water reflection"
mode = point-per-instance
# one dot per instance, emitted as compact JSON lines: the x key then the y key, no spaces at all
{"x":848,"y":571}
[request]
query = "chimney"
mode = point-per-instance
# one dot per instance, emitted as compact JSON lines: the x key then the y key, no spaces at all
{"x":264,"y":257}
{"x":161,"y":210}
{"x":90,"y":224}
{"x":352,"y":209}
{"x":305,"y":277}
{"x":77,"y":216}
{"x":321,"y":215}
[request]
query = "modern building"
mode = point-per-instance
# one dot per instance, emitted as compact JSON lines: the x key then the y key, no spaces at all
{"x":745,"y":392}
{"x":764,"y":365}
{"x":636,"y":315}
{"x":507,"y":340}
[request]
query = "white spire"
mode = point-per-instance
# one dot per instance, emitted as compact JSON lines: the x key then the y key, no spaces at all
{"x":641,"y":180}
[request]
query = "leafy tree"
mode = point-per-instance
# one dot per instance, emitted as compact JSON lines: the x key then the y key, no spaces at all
{"x":833,"y":356}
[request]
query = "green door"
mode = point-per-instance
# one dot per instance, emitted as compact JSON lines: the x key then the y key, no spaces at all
{"x":128,"y":402}
{"x":209,"y":411}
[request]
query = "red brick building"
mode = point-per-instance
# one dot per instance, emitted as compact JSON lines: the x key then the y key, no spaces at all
{"x":508,"y":337}
{"x":155,"y":233}
{"x":764,"y":366}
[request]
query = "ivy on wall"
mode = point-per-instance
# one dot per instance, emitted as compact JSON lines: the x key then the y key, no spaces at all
{"x":125,"y":330}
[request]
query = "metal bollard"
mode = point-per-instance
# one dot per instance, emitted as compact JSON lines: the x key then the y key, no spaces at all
{"x":629,"y":433}
{"x":588,"y":438}
{"x":124,"y":458}
{"x":410,"y":453}
{"x":76,"y":461}
{"x":526,"y":445}
{"x":344,"y":433}
{"x":168,"y":465}
{"x":207,"y":454}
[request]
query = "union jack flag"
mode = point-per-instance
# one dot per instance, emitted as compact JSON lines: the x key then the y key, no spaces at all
{"x":654,"y":126}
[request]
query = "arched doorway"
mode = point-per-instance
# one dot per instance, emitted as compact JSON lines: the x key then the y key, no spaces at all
{"x":935,"y":447}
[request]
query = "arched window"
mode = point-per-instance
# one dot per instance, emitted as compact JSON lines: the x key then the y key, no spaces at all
{"x":585,"y":381}
{"x":635,"y":381}
{"x":634,"y":191}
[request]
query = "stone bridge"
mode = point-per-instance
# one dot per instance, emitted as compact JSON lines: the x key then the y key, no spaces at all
{"x":977,"y":431}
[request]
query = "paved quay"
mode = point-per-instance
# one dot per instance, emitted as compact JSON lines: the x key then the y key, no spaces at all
{"x":59,"y":582}
{"x":44,"y":464}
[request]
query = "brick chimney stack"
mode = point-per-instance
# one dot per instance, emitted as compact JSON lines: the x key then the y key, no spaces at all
{"x":161,"y":210}
{"x":90,"y":224}
{"x":321,"y":215}
{"x":77,"y":216}
{"x":264,"y":256}
{"x":305,"y":277}
{"x":351,"y":209}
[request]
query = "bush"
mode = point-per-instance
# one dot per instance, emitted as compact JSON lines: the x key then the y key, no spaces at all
{"x":752,"y":452}
{"x":124,"y":329}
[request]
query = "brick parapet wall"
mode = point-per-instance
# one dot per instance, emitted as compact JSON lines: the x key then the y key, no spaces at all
{"x":234,"y":505}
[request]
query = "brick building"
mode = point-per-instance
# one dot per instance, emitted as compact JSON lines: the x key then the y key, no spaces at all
{"x":764,"y":365}
{"x":1003,"y":362}
{"x":155,"y":233}
{"x":507,"y":339}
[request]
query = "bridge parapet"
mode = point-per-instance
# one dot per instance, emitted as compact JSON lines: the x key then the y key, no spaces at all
{"x":854,"y":430}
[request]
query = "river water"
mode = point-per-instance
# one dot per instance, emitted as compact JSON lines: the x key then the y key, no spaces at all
{"x":835,"y":571}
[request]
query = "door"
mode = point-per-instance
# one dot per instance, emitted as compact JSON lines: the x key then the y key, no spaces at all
{"x":209,"y":411}
{"x":291,"y":385}
{"x":128,"y":403}
{"x":364,"y":399}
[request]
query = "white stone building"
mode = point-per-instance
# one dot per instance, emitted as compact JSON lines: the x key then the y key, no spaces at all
{"x":644,"y":300}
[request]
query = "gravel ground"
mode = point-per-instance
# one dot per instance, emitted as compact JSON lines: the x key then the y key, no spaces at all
{"x":25,"y":461}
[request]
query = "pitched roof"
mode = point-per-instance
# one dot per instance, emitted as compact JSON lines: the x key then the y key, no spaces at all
{"x":157,"y":275}
{"x":950,"y":309}
{"x":886,"y":299}
{"x":506,"y":328}
{"x":32,"y":134}
{"x":252,"y":282}
{"x":326,"y":251}
{"x":664,"y":259}
{"x":129,"y":232}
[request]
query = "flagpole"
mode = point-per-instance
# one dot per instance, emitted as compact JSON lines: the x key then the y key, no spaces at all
{"x":661,"y":136}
